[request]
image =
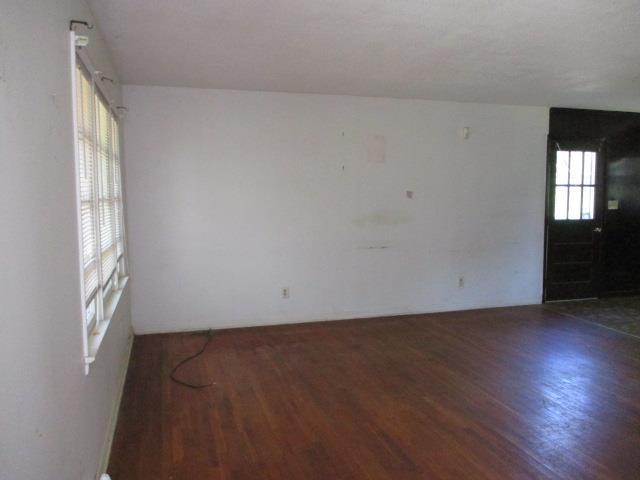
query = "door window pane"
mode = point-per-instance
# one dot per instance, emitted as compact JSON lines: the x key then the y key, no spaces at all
{"x":575,"y":185}
{"x":562,"y":167}
{"x":561,"y":203}
{"x":575,"y":177}
{"x":575,"y":200}
{"x":589,"y":168}
{"x":588,"y":202}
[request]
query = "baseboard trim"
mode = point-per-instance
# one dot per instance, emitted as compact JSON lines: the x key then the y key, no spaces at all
{"x":329,"y":317}
{"x":113,"y":418}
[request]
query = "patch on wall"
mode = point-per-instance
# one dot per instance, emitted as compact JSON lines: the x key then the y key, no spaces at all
{"x":376,"y":149}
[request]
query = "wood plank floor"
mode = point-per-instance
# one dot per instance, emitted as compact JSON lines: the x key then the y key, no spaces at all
{"x":512,"y":393}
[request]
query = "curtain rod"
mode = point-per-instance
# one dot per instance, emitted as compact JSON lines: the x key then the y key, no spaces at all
{"x":98,"y":77}
{"x":80,"y":22}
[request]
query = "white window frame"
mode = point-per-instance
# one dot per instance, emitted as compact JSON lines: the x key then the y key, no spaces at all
{"x":109,"y":291}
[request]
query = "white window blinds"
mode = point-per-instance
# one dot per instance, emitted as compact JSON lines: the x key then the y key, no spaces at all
{"x":100,"y":195}
{"x":107,"y":189}
{"x":85,"y":143}
{"x":117,"y":189}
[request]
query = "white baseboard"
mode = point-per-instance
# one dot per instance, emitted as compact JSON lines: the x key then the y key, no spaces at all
{"x":333,"y":316}
{"x":113,"y":418}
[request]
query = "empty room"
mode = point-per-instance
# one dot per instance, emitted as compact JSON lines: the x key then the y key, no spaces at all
{"x":297,"y":240}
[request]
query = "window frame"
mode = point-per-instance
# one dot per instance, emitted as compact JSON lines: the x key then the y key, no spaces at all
{"x":106,"y":296}
{"x":569,"y":184}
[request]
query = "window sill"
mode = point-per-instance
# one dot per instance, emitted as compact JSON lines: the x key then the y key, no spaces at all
{"x":98,"y":333}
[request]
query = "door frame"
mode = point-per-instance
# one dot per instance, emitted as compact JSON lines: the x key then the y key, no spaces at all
{"x":599,"y":144}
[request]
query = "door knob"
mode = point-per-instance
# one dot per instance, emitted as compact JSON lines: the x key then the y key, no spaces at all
{"x":597,"y":230}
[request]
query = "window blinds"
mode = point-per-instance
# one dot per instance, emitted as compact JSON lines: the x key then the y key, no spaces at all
{"x":117,"y":190}
{"x":100,"y":186}
{"x":106,"y":190}
{"x":85,"y":116}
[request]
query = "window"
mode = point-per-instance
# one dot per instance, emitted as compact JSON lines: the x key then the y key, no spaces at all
{"x":575,"y":185}
{"x":100,"y":205}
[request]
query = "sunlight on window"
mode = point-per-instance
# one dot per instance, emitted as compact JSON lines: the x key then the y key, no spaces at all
{"x":574,"y":191}
{"x":588,"y":202}
{"x":561,"y":203}
{"x":574,"y":203}
{"x":589,"y":168}
{"x":562,"y":168}
{"x":575,"y":174}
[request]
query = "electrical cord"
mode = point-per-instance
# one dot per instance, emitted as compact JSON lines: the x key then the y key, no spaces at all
{"x":189,"y":358}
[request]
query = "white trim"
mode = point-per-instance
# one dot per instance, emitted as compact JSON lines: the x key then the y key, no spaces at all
{"x":97,"y":80}
{"x":76,"y":157}
{"x":125,"y":255}
{"x":100,"y":330}
{"x":97,"y":184}
{"x":105,"y":453}
{"x":272,"y":320}
{"x":106,"y":300}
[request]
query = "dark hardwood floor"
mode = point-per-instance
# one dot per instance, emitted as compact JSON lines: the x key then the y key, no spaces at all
{"x":512,"y":393}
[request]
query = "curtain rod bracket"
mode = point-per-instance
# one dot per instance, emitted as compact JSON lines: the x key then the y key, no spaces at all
{"x":80,"y":22}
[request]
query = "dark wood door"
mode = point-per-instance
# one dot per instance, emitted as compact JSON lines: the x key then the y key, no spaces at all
{"x":573,"y":218}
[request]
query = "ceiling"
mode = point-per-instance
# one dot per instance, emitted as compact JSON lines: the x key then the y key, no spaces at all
{"x":580,"y":53}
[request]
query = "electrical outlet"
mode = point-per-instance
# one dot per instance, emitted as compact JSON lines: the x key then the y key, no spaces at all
{"x":285,"y":292}
{"x":460,"y":282}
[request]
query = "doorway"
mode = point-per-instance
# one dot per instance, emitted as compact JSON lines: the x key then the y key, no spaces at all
{"x":574,"y":217}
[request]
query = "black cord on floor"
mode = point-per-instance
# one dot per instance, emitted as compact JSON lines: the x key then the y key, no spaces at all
{"x":195,"y":355}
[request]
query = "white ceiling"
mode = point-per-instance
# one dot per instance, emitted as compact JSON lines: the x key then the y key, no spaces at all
{"x":583,"y":53}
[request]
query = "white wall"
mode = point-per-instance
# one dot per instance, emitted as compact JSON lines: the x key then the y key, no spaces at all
{"x":54,"y":420}
{"x":233,"y":195}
